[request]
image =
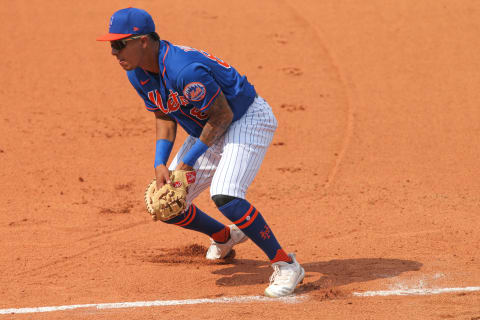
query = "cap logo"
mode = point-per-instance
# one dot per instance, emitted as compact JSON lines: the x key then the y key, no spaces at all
{"x":128,"y":21}
{"x":194,"y":91}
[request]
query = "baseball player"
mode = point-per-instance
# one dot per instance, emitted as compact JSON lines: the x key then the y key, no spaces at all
{"x":230,"y":128}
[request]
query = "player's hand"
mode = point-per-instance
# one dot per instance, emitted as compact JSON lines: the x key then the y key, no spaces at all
{"x":183,"y":166}
{"x":162,"y":176}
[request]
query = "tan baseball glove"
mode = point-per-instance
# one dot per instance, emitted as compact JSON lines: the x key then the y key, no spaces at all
{"x":170,"y":200}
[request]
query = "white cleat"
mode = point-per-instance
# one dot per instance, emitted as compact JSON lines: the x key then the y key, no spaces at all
{"x":221,"y":250}
{"x":285,"y":277}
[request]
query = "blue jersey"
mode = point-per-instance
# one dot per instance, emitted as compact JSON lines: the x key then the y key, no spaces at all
{"x":188,"y":83}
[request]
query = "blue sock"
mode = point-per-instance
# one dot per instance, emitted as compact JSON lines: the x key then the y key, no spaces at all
{"x":195,"y":219}
{"x":251,"y":222}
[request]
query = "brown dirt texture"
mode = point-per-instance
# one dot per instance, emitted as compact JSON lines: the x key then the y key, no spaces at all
{"x":373,"y":177}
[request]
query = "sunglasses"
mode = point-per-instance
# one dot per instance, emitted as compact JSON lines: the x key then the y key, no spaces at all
{"x":122,"y":43}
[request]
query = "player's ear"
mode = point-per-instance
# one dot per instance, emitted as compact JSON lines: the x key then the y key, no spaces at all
{"x":144,"y":41}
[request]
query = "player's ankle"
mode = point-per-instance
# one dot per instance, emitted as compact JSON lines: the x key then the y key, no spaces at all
{"x":281,"y":256}
{"x":221,"y":236}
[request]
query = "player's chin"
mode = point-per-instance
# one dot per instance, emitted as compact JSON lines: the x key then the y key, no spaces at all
{"x":125,"y":65}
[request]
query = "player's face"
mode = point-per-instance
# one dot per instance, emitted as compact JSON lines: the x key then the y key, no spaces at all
{"x":129,"y":52}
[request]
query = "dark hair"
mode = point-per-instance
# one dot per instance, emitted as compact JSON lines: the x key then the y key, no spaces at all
{"x":154,"y":36}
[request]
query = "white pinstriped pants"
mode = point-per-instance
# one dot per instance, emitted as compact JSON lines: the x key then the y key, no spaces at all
{"x":230,"y":165}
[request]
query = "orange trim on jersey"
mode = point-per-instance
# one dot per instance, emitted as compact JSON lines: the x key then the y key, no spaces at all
{"x":150,"y":108}
{"x":210,"y":100}
{"x":191,"y":219}
{"x":244,"y":216}
{"x":163,"y":60}
{"x":186,"y":218}
{"x":191,"y":118}
{"x":250,"y":221}
{"x":163,"y":76}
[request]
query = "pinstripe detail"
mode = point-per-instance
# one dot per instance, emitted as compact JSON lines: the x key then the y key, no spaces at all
{"x":244,"y":149}
{"x":231,"y":164}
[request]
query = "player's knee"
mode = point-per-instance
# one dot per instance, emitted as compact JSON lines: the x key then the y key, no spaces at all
{"x":221,"y":199}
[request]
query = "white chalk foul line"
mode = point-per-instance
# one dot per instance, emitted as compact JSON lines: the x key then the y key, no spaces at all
{"x":239,"y":299}
{"x":141,"y":304}
{"x":414,"y":292}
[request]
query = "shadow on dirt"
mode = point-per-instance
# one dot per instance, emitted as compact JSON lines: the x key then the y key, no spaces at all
{"x":334,"y":273}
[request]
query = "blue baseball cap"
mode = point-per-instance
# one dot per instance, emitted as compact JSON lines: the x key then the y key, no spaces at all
{"x":127,"y":22}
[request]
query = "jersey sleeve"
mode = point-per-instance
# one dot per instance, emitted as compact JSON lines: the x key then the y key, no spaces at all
{"x":198,"y":86}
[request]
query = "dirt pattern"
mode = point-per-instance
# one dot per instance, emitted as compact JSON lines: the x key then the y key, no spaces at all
{"x":372,"y":179}
{"x":190,"y":254}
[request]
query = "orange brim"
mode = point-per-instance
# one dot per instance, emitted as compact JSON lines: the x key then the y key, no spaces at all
{"x":113,"y":36}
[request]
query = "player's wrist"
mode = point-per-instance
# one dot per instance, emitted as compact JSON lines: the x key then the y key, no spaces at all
{"x":194,"y":153}
{"x":183,"y":166}
{"x":163,"y":148}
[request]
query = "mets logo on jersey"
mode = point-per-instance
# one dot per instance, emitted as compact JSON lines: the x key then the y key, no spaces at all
{"x":194,"y":91}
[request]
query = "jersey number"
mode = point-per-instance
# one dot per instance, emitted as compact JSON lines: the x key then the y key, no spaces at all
{"x":208,"y":55}
{"x":197,"y":113}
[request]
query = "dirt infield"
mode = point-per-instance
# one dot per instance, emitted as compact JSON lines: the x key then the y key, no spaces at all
{"x":373,"y":177}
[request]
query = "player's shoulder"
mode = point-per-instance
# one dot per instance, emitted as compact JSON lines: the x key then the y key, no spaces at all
{"x":180,"y":57}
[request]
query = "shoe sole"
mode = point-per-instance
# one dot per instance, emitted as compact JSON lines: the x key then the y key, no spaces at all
{"x":300,"y":280}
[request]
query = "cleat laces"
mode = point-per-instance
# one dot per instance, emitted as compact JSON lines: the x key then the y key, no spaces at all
{"x":280,"y":276}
